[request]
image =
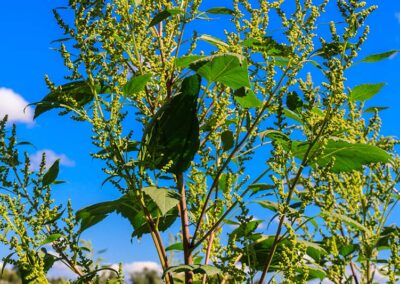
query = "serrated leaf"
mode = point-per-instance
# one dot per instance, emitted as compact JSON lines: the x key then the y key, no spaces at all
{"x":213,"y":40}
{"x":158,"y":18}
{"x":246,"y":98}
{"x":220,"y":10}
{"x":185,"y":61}
{"x":374,"y":109}
{"x":228,"y":69}
{"x":379,"y":56}
{"x":227,"y":140}
{"x":5,"y":261}
{"x":136,"y":84}
{"x":292,"y":115}
{"x":365,"y":91}
{"x":51,"y":238}
{"x":52,"y":173}
{"x":332,"y":49}
{"x":165,"y":198}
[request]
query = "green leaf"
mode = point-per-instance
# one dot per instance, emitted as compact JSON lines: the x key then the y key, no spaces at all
{"x":228,"y":69}
{"x":6,"y":260}
{"x":374,"y":109}
{"x":365,"y":91}
{"x":195,"y":268}
{"x":220,"y":10}
{"x":379,"y":56}
{"x":293,"y":101}
{"x":348,"y":221}
{"x":348,"y":156}
{"x":348,"y":249}
{"x":213,"y":40}
{"x":158,"y":18}
{"x":246,"y":230}
{"x":246,"y":98}
{"x":175,"y":246}
{"x":255,"y":188}
{"x":292,"y":115}
{"x":165,"y":198}
{"x":129,"y":208}
{"x":136,"y":84}
{"x":72,"y":94}
{"x":185,"y":61}
{"x":51,"y":175}
{"x":313,"y":249}
{"x":267,"y":45}
{"x":332,"y":49}
{"x":227,"y":140}
{"x":51,"y":238}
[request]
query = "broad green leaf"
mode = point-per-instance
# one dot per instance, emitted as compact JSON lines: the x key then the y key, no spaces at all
{"x":195,"y":268}
{"x":246,"y":98}
{"x":51,"y":238}
{"x":175,"y":246}
{"x":227,"y":140}
{"x":158,"y":18}
{"x":52,"y":173}
{"x":267,"y":45}
{"x":293,"y":101}
{"x":129,"y":208}
{"x":228,"y":69}
{"x":379,"y":56}
{"x":185,"y":61}
{"x":136,"y":84}
{"x":348,"y":221}
{"x":213,"y":40}
{"x":220,"y":10}
{"x":348,"y":249}
{"x":374,"y":109}
{"x":348,"y":156}
{"x":365,"y":91}
{"x":165,"y":198}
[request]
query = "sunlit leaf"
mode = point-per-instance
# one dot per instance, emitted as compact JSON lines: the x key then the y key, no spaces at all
{"x":267,"y":45}
{"x":379,"y":56}
{"x":365,"y":91}
{"x":228,"y":69}
{"x":165,"y":198}
{"x":246,"y":98}
{"x":195,"y":268}
{"x":374,"y":109}
{"x":213,"y":40}
{"x":185,"y":61}
{"x":136,"y":84}
{"x":51,"y":238}
{"x":175,"y":246}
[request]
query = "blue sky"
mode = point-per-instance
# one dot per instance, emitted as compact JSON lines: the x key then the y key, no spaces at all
{"x":26,"y":30}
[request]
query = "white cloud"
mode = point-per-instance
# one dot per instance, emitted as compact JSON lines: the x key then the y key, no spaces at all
{"x":51,"y":157}
{"x":15,"y":106}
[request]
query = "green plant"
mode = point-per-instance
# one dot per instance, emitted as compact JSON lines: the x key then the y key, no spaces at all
{"x":278,"y":130}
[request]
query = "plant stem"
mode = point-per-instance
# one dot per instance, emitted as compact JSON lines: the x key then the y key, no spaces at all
{"x":185,"y":228}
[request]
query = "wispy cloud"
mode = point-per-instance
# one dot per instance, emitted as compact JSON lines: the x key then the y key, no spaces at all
{"x":51,"y":157}
{"x":397,"y":15}
{"x":14,"y":105}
